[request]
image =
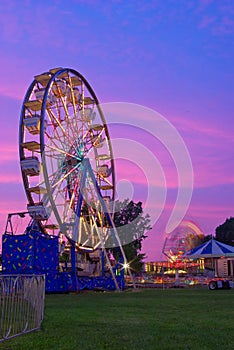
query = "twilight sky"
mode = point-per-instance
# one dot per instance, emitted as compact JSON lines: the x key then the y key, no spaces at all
{"x":172,"y":56}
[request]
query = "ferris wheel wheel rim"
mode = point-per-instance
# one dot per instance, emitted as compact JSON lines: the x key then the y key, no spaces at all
{"x":42,"y":130}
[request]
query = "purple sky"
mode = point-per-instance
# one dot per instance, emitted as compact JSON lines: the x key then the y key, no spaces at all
{"x":173,"y":56}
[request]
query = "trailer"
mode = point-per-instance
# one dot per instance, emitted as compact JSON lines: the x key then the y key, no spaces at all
{"x":220,"y":283}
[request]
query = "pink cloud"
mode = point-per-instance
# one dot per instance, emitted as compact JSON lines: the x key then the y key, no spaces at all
{"x":209,"y":147}
{"x":8,"y":154}
{"x":219,"y":24}
{"x":207,"y":212}
{"x":226,"y":26}
{"x":207,"y":21}
{"x":13,"y":198}
{"x":202,"y":128}
{"x":205,"y":3}
{"x":10,"y":178}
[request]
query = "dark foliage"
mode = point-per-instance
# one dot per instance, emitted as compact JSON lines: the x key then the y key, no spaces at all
{"x":225,"y":232}
{"x":131,"y":225}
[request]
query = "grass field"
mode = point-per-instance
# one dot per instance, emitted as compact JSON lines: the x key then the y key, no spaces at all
{"x":143,"y":320}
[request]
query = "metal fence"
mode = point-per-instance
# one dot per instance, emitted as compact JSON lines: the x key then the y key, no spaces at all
{"x":21,"y":304}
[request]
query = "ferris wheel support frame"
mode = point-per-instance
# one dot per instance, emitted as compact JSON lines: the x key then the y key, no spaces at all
{"x":87,"y":170}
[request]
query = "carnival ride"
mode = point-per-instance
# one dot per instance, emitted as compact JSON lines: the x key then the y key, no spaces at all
{"x":182,"y":239}
{"x":68,"y":174}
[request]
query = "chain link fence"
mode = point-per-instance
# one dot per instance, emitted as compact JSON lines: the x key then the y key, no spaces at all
{"x":21,"y":304}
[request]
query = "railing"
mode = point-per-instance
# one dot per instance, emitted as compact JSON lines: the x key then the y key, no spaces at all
{"x":21,"y":304}
{"x":169,"y":282}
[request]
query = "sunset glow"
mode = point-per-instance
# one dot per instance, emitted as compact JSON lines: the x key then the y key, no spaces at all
{"x":175,"y":58}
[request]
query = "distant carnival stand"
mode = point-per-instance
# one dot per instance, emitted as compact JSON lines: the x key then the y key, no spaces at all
{"x":68,"y":174}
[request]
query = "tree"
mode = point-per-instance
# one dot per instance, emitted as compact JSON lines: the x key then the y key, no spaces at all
{"x":225,"y":231}
{"x":131,"y":225}
{"x":206,"y":238}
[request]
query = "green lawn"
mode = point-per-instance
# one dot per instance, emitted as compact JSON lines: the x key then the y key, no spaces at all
{"x":145,"y":319}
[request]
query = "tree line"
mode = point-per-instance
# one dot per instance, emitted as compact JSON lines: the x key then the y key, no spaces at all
{"x":225,"y":232}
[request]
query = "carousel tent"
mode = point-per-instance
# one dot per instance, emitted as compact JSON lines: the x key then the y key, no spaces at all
{"x":211,"y":249}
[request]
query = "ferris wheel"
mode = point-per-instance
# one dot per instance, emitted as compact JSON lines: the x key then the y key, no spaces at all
{"x":66,"y":158}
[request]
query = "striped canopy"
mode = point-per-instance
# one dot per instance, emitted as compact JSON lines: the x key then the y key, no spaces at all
{"x":211,"y":249}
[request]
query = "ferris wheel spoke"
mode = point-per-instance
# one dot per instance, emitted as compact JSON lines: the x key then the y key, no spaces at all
{"x":64,"y":105}
{"x":72,"y":95}
{"x":70,"y":202}
{"x":66,"y":175}
{"x":54,"y":138}
{"x":59,"y":150}
{"x":72,"y":199}
{"x":60,"y":201}
{"x":65,"y":134}
{"x":52,"y":178}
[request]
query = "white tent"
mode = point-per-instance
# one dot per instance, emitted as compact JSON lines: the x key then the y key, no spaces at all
{"x":211,"y":249}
